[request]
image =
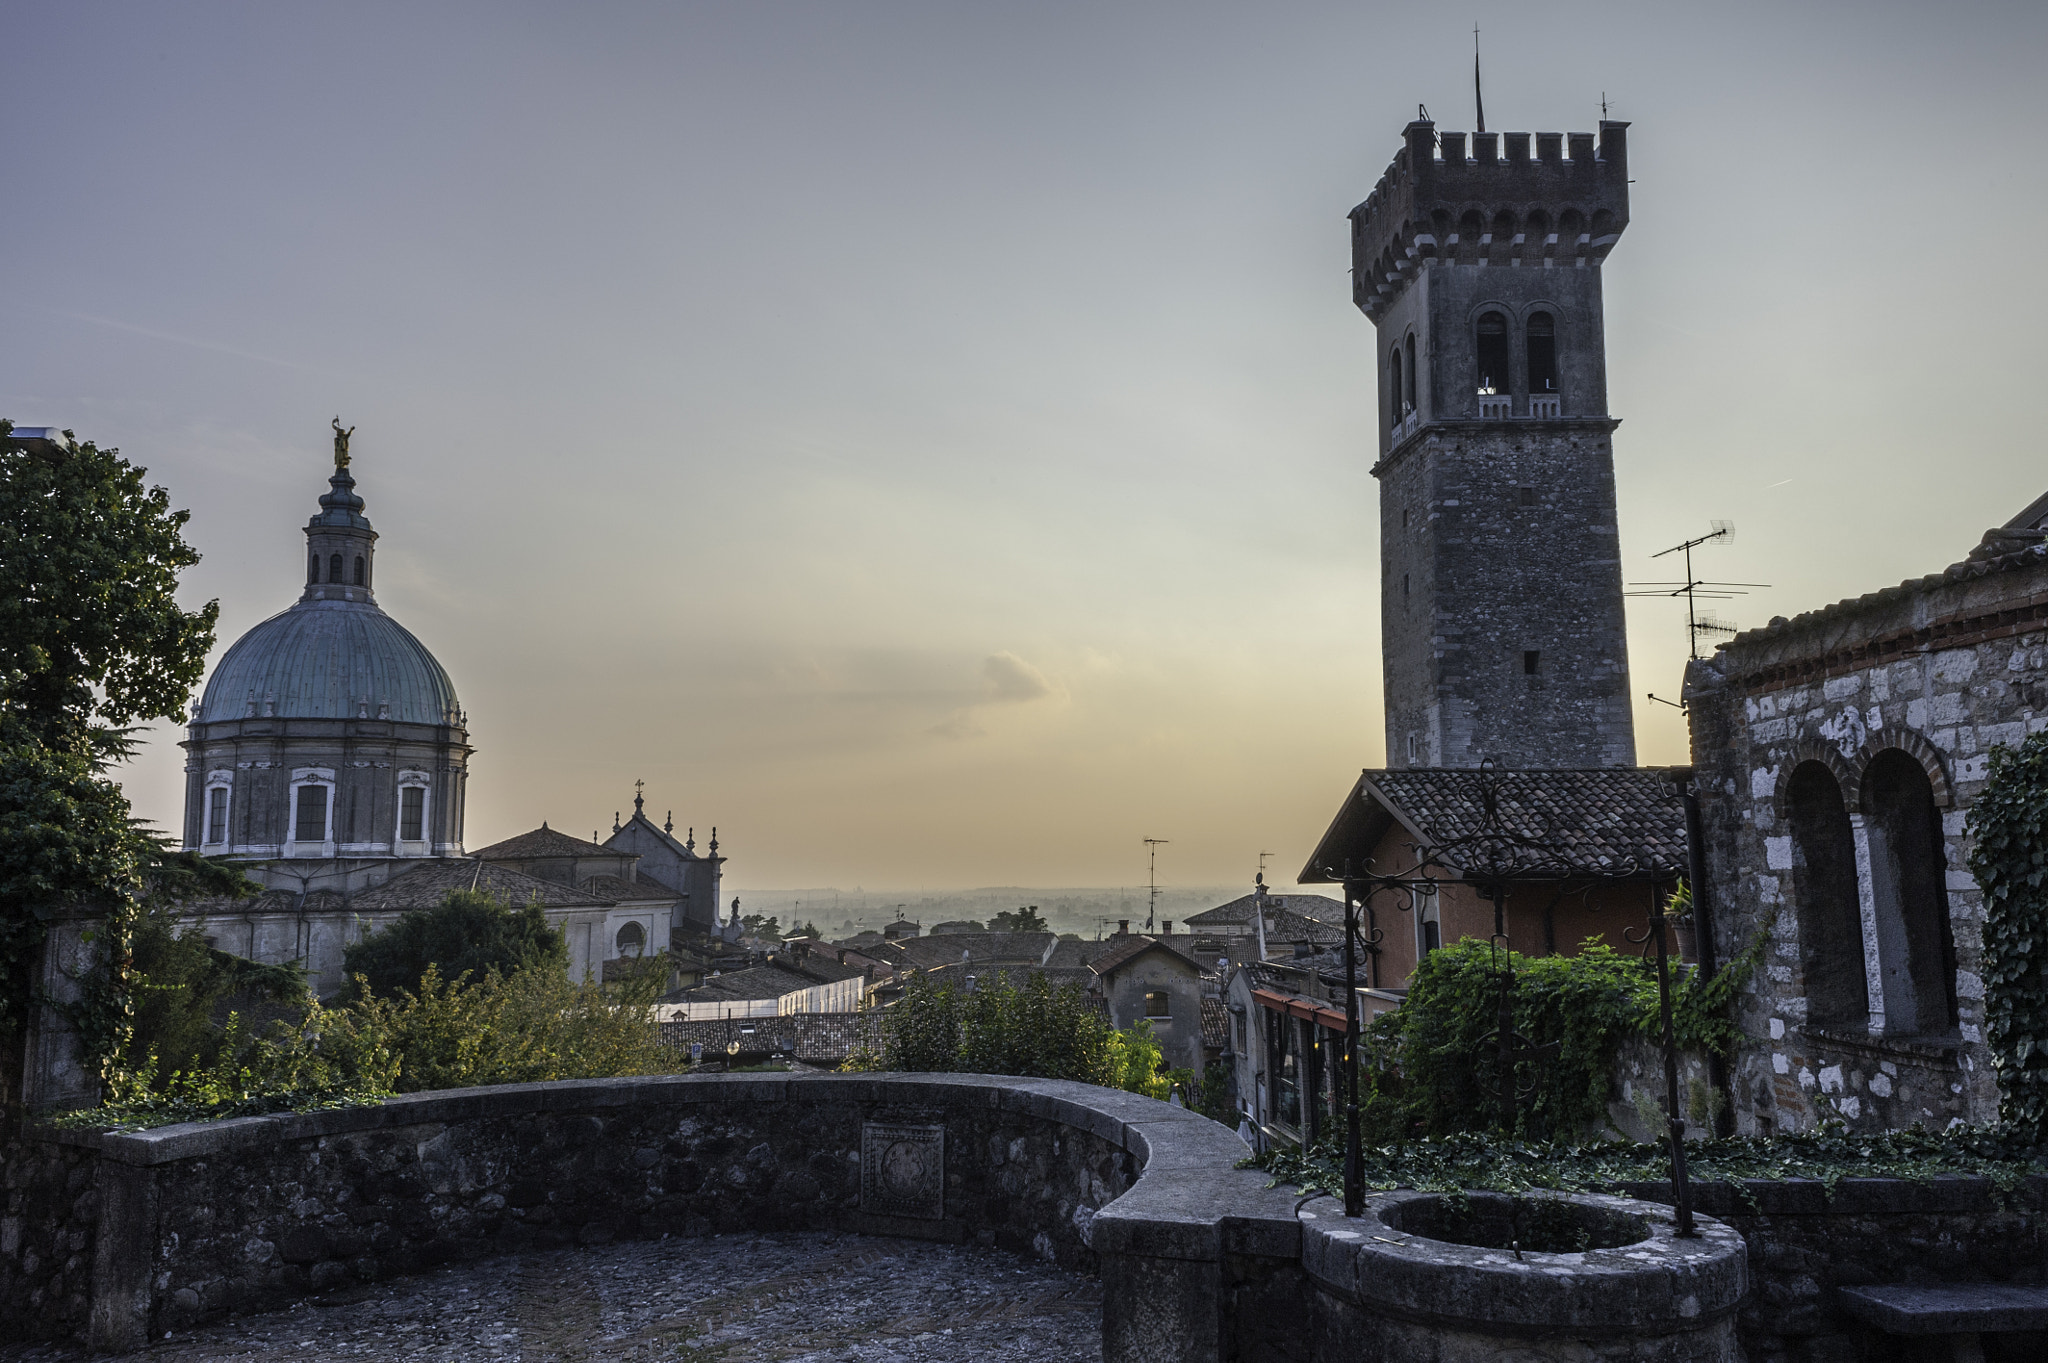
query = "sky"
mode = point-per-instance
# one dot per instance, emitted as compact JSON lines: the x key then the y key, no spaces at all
{"x":931,"y":442}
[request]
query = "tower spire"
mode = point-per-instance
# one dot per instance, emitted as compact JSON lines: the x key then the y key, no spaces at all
{"x":1477,"y":98}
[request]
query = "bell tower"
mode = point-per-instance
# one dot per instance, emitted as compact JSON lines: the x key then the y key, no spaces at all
{"x":1501,"y":597}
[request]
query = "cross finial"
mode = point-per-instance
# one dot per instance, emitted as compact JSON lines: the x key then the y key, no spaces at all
{"x":668,"y":825}
{"x":639,"y":798}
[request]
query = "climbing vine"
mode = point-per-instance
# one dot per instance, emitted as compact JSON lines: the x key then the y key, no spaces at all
{"x":2009,"y":857}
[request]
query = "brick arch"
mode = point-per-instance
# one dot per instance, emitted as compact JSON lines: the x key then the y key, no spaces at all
{"x":1915,"y":746}
{"x":1849,"y":776}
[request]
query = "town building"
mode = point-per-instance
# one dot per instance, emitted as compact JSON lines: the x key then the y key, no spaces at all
{"x":1839,"y":753}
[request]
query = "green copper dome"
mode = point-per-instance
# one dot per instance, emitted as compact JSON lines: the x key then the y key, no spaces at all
{"x":334,"y":655}
{"x":329,"y":659}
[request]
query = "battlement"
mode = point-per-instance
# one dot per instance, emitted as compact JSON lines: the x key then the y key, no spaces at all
{"x":1494,"y":204}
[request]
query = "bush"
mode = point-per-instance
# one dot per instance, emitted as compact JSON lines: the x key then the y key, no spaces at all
{"x":470,"y":932}
{"x":180,"y":985}
{"x":1034,"y":1031}
{"x":1431,"y":1068}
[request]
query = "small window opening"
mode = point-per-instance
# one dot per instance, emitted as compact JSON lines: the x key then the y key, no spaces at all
{"x":1529,"y":660}
{"x":334,"y":567}
{"x":1492,"y":354}
{"x":1157,"y":1005}
{"x":412,"y":808}
{"x":217,"y":815}
{"x":1411,"y":749}
{"x":1404,"y":518}
{"x":1394,"y":387}
{"x":1528,"y":496}
{"x":1408,"y":392}
{"x":1404,"y":584}
{"x":312,"y":568}
{"x":359,"y":570}
{"x":1542,"y":353}
{"x":311,"y":824}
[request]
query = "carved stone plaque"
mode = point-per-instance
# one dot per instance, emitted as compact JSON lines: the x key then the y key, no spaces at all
{"x":903,"y":1170}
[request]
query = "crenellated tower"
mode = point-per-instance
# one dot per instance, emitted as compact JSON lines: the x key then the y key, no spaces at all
{"x":1501,"y":597}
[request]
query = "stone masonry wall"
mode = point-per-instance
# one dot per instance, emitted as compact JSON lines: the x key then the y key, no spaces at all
{"x":49,"y":1205}
{"x":1498,"y":540}
{"x":1944,"y":670}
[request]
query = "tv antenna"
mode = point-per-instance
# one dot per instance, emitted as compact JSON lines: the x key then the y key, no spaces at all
{"x":1262,"y":864}
{"x":1696,"y":590}
{"x":1152,"y":846}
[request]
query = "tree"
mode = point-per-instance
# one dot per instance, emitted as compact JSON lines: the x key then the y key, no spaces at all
{"x":92,"y":643}
{"x":469,"y":932}
{"x":2009,"y":857}
{"x":806,"y":929}
{"x":767,"y":929}
{"x":1022,"y":920}
{"x":90,"y":628}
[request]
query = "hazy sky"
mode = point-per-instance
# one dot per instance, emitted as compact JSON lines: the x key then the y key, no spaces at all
{"x":930,"y":441}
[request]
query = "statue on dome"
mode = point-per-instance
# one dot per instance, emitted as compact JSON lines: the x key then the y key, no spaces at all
{"x":341,"y":444}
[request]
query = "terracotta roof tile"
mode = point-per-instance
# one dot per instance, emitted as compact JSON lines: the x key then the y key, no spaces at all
{"x":428,"y":883}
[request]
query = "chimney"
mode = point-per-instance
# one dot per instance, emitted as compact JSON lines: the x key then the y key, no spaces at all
{"x":1166,"y":927}
{"x":1123,"y":927}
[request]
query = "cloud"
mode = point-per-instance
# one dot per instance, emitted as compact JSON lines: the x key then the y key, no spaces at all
{"x":1006,"y":679}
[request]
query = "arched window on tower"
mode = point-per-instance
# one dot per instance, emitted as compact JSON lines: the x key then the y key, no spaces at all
{"x":1542,"y":353}
{"x":1829,"y":922}
{"x":1408,"y":393}
{"x":1394,"y":388}
{"x":334,"y":567}
{"x":1492,"y":354}
{"x":312,"y":568}
{"x":1909,"y":891}
{"x":359,"y":570}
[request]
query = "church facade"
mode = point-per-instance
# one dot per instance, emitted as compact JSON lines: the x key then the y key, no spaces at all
{"x":329,"y":756}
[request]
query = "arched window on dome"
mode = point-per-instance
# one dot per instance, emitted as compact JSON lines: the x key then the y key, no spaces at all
{"x":359,"y":570}
{"x":312,"y":568}
{"x":334,"y":567}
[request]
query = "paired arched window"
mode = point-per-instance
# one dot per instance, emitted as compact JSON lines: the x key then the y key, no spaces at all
{"x":1542,"y":339}
{"x":1909,"y":895}
{"x":1491,"y":353}
{"x":334,"y":567}
{"x":359,"y":570}
{"x":1824,"y":895}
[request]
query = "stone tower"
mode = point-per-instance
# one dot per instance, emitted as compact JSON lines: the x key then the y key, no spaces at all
{"x":1501,"y":593}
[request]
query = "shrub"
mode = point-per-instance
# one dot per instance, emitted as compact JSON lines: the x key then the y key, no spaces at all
{"x":470,"y":932}
{"x":1032,"y":1031}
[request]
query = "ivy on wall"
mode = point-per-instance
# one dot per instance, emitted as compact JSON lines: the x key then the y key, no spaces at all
{"x":2009,"y":857}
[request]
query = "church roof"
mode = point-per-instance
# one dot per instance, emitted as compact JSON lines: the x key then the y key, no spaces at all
{"x":428,"y":883}
{"x":543,"y":842}
{"x":611,"y":887}
{"x":1240,"y":910}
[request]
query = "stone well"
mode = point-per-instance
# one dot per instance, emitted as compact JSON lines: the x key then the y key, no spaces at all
{"x":1437,"y":1278}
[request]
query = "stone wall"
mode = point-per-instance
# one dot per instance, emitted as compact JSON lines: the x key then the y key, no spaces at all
{"x":169,"y":1228}
{"x":1935,"y":672}
{"x":1804,"y":1242}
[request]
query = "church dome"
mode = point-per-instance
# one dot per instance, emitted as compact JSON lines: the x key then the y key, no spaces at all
{"x":333,"y":655}
{"x":330,"y":659}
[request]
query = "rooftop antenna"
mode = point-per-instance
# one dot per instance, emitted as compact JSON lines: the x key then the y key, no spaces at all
{"x":1696,"y":590}
{"x":1152,"y":846}
{"x":1262,"y":864}
{"x":1477,"y":98}
{"x":1603,"y":106}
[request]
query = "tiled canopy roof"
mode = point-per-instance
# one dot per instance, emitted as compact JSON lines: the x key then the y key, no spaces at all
{"x":1620,"y":822}
{"x":544,"y":842}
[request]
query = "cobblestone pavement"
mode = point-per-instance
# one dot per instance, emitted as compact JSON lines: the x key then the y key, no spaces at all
{"x":805,"y":1298}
